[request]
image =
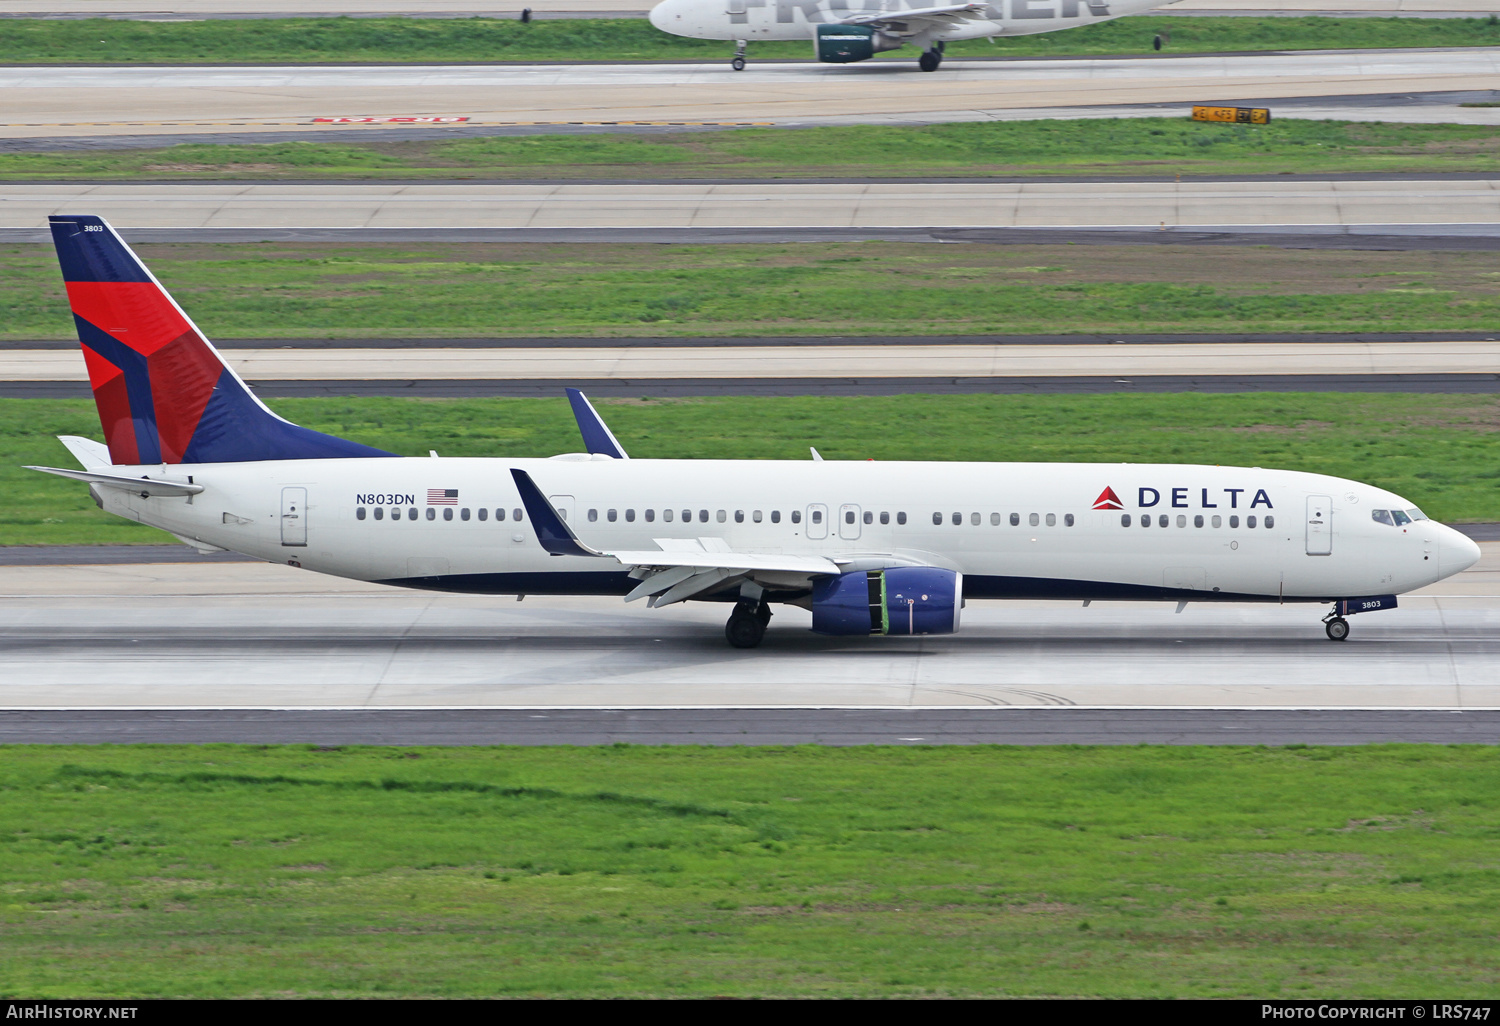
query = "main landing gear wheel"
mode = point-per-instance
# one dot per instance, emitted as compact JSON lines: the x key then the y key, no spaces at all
{"x":1337,"y":629}
{"x":747,"y":624}
{"x":929,"y":60}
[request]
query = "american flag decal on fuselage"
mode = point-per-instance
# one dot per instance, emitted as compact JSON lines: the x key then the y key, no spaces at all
{"x":442,"y":496}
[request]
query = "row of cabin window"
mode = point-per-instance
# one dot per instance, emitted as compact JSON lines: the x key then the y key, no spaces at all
{"x":722,"y":516}
{"x":1163,"y":520}
{"x":411,"y":513}
{"x":976,"y":519}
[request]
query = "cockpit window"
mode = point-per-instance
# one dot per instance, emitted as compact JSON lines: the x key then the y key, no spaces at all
{"x":1401,"y":518}
{"x":1382,"y":516}
{"x":1416,"y":514}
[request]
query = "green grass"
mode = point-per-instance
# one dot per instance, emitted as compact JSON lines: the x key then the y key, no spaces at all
{"x":1146,"y":146}
{"x":104,"y":41}
{"x":218,"y":871}
{"x":1440,"y":452}
{"x":294,"y":290}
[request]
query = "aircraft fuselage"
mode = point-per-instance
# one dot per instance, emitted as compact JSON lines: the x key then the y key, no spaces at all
{"x":1014,"y":530}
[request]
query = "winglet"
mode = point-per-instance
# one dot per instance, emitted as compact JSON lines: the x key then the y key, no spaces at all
{"x":551,"y":530}
{"x":597,"y":437}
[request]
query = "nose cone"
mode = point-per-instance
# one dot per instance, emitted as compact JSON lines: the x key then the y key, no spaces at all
{"x":1456,"y":551}
{"x":664,"y":13}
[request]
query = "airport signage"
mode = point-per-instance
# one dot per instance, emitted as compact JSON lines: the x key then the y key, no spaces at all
{"x":1237,"y":115}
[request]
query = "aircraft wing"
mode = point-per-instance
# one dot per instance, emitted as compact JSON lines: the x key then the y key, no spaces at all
{"x":901,"y":21}
{"x":681,"y":569}
{"x":777,"y":563}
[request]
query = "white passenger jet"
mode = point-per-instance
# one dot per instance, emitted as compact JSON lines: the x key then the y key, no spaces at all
{"x":889,"y":548}
{"x":844,"y":31}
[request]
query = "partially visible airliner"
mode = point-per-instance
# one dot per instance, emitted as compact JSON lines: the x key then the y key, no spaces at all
{"x":844,"y":31}
{"x":886,"y":548}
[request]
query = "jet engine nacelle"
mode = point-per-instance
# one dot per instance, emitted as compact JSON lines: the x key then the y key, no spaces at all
{"x":899,"y":600}
{"x":845,"y":44}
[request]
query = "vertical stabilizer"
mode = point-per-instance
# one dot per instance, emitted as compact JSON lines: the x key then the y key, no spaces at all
{"x":163,"y":392}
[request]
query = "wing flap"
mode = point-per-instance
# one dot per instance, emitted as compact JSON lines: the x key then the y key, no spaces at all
{"x":741,"y":561}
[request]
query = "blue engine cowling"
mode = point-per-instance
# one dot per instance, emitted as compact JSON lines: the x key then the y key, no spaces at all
{"x":899,"y":600}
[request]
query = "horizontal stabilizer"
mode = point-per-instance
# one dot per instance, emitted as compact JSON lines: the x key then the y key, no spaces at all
{"x":147,"y":486}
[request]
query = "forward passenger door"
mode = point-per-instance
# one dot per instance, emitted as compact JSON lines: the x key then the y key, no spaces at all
{"x":1319,"y":525}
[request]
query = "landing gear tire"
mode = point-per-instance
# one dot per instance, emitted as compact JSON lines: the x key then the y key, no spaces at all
{"x":1337,"y":629}
{"x":738,"y":64}
{"x":745,"y":628}
{"x":740,"y":45}
{"x":929,"y":60}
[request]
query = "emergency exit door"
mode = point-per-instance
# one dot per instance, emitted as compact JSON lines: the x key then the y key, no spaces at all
{"x":1319,"y":525}
{"x":817,"y":521}
{"x":849,"y":517}
{"x":294,"y":516}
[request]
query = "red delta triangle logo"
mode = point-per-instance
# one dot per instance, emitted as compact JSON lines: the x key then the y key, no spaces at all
{"x":1108,"y":500}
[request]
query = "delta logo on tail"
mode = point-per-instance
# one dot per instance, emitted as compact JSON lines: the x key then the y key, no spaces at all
{"x":163,"y":392}
{"x":1108,"y":500}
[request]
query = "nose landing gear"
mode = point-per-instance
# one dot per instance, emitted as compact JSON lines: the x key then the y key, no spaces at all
{"x":738,"y":64}
{"x":747,"y":624}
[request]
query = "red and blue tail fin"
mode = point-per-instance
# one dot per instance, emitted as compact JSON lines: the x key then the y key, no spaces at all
{"x":164,"y":393}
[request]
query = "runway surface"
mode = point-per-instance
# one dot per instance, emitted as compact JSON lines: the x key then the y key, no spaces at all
{"x":664,"y":388}
{"x":255,"y":635}
{"x":38,"y":102}
{"x":810,"y":363}
{"x":768,"y":205}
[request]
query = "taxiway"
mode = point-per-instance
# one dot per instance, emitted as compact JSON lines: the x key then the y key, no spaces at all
{"x":39,"y":102}
{"x":1473,"y":204}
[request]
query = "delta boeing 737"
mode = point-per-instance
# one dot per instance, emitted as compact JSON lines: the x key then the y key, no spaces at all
{"x":882,"y":548}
